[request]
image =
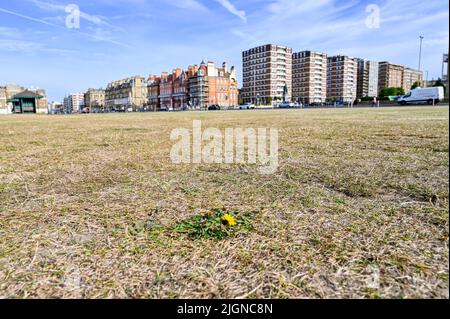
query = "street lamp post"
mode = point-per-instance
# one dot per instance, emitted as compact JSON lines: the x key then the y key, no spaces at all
{"x":420,"y":53}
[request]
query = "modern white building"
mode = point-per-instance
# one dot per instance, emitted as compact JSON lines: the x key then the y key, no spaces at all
{"x":367,"y":78}
{"x":73,"y":103}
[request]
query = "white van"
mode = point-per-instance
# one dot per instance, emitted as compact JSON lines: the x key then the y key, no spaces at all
{"x":423,"y":95}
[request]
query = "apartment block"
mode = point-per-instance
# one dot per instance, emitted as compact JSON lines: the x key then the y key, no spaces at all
{"x":74,"y":103}
{"x":395,"y":75}
{"x":411,"y":76}
{"x":267,"y":74}
{"x":55,"y":107}
{"x":94,"y":100}
{"x":15,"y":98}
{"x":309,"y":77}
{"x":342,"y":78}
{"x":213,"y":86}
{"x":390,"y":75}
{"x":129,"y":94}
{"x":367,"y":78}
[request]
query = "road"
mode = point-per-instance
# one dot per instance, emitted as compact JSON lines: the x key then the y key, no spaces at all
{"x":346,"y":107}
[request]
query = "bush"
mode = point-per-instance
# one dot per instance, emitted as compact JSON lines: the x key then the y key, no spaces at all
{"x":385,"y":93}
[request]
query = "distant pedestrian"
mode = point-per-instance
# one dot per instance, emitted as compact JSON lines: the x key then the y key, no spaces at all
{"x":374,"y":103}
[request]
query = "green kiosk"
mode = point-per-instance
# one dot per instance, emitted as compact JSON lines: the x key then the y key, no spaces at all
{"x":25,"y":102}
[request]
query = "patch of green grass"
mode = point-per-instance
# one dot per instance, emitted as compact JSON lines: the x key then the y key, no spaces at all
{"x":218,"y":224}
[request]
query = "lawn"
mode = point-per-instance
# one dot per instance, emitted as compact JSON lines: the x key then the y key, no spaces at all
{"x":92,"y":207}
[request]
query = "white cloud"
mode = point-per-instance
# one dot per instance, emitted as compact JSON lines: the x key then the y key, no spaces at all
{"x":97,"y":35}
{"x":193,"y":5}
{"x":30,"y":48}
{"x":8,"y":32}
{"x":286,"y":8}
{"x":233,"y":10}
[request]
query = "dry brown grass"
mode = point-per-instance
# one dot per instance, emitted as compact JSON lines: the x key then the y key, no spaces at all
{"x":87,"y":204}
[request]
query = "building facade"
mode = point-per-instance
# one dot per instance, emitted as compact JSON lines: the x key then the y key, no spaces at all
{"x":129,"y":94}
{"x":9,"y":91}
{"x":395,"y":75}
{"x":94,"y":100}
{"x":410,"y":77}
{"x":166,"y":91}
{"x":367,"y":78}
{"x":153,"y":92}
{"x":74,"y":103}
{"x":180,"y":96}
{"x":199,"y":88}
{"x":390,"y":75}
{"x":55,"y":107}
{"x":309,"y":77}
{"x":342,"y":78}
{"x":222,"y":86}
{"x":267,"y":74}
{"x":4,"y":107}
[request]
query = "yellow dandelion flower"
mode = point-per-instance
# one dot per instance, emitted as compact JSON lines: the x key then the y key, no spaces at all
{"x":229,"y":220}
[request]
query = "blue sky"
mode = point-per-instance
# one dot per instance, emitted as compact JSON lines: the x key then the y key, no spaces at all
{"x":119,"y":38}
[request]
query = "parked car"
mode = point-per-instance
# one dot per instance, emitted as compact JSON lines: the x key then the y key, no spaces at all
{"x":423,"y":95}
{"x":214,"y":108}
{"x":287,"y":105}
{"x":247,"y":106}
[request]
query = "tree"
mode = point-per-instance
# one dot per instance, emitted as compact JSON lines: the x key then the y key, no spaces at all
{"x":240,"y":96}
{"x":438,"y":83}
{"x":400,"y":91}
{"x":415,"y":85}
{"x":385,"y":93}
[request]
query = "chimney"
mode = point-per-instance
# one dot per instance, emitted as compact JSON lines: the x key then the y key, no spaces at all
{"x":212,"y":71}
{"x":225,"y":67}
{"x":233,"y":73}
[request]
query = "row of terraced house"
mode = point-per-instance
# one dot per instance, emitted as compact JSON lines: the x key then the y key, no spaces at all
{"x":195,"y":88}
